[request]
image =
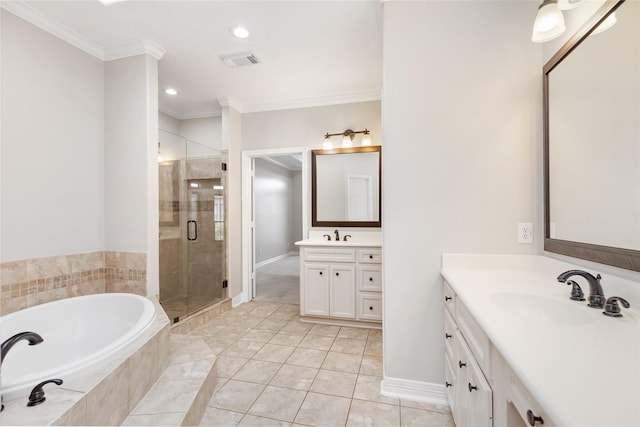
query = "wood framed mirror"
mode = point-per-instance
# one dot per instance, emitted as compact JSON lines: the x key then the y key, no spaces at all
{"x":346,"y":187}
{"x":592,"y":140}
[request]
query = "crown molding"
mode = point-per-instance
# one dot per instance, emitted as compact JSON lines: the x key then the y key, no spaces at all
{"x":199,"y":115}
{"x":51,"y":26}
{"x":313,"y":102}
{"x":141,"y":47}
{"x":278,"y":105}
{"x":233,"y":103}
{"x":55,"y":28}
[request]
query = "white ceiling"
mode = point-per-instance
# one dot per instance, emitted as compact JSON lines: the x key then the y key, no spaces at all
{"x":312,"y":52}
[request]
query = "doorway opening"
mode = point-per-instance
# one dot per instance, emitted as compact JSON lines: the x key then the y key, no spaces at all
{"x":274,"y":218}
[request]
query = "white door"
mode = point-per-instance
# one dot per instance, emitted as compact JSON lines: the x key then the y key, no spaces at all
{"x":359,"y":198}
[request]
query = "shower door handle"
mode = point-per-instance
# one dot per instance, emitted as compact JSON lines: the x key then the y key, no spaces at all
{"x":195,"y":230}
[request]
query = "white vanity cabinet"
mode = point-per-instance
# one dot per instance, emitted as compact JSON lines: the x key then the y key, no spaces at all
{"x":481,"y":387}
{"x":469,"y":393}
{"x":341,"y":283}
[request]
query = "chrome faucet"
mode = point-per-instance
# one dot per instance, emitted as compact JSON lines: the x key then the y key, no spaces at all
{"x":33,"y":339}
{"x":596,"y":294}
{"x":337,"y":235}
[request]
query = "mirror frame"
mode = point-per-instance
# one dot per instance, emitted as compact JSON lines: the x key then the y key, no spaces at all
{"x":314,"y":211}
{"x":619,"y":257}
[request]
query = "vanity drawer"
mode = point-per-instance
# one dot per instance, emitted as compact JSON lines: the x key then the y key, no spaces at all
{"x":370,"y":306}
{"x":449,"y":298}
{"x":370,"y":278}
{"x":518,"y":398}
{"x":329,"y":254}
{"x":370,"y":256}
{"x":474,"y":336}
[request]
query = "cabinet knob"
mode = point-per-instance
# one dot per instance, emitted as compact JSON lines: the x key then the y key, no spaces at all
{"x":321,"y":273}
{"x":447,"y":298}
{"x":461,"y":365}
{"x":447,"y":336}
{"x":370,"y":256}
{"x":448,"y":384}
{"x":337,"y":274}
{"x":370,"y":308}
{"x":472,"y":387}
{"x":532,"y":419}
{"x":371,"y":279}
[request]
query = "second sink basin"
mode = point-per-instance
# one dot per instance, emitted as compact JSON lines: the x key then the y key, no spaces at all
{"x":545,"y":308}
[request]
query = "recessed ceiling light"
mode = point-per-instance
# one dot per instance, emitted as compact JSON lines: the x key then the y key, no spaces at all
{"x":170,"y":91}
{"x":239,"y":31}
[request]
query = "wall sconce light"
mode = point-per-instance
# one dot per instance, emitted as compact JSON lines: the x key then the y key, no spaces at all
{"x":549,"y":22}
{"x":347,"y":138}
{"x":568,"y":4}
{"x":160,"y":158}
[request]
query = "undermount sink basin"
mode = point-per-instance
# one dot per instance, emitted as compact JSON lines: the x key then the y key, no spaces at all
{"x":544,"y":308}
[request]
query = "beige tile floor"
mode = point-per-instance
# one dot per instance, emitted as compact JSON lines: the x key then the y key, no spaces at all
{"x":275,"y":370}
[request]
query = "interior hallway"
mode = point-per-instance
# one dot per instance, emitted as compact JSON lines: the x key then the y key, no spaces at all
{"x":274,"y":370}
{"x":279,"y":281}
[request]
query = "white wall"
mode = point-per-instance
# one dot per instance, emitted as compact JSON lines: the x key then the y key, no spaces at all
{"x":126,"y":154}
{"x":52,"y":145}
{"x":168,"y":123}
{"x":232,"y":142}
{"x":274,"y":210}
{"x":305,"y":127}
{"x":206,"y":131}
{"x":462,"y":138}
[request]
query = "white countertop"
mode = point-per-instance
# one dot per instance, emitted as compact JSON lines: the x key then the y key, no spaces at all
{"x":582,"y":367}
{"x":341,"y":244}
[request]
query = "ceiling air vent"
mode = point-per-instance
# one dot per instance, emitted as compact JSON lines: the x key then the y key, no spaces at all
{"x":240,"y":59}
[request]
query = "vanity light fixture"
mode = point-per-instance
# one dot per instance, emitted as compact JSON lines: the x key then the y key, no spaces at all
{"x":327,"y":144}
{"x":160,"y":158}
{"x":170,"y":91}
{"x":549,"y":22}
{"x":347,"y":138}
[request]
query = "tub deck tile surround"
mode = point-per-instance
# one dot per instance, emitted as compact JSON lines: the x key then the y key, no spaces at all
{"x":106,"y":395}
{"x":30,"y":282}
{"x":180,"y":395}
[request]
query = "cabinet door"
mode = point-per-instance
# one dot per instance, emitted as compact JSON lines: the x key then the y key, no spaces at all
{"x":342,"y":291}
{"x":316,"y":290}
{"x":474,"y":398}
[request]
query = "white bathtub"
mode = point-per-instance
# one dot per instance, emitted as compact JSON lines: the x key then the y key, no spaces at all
{"x":78,"y":334}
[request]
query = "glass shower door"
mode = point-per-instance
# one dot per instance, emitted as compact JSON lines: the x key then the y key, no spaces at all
{"x":192,"y":231}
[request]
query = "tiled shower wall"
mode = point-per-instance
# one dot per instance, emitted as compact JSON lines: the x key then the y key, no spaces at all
{"x":31,"y":282}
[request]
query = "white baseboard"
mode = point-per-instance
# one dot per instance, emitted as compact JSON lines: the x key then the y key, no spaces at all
{"x":239,"y":299}
{"x":274,"y":259}
{"x":414,"y":390}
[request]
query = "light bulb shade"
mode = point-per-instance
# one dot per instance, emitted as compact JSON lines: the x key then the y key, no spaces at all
{"x":568,"y":4}
{"x":606,"y":24}
{"x":549,"y":22}
{"x":327,"y":144}
{"x":366,"y":139}
{"x":346,"y":141}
